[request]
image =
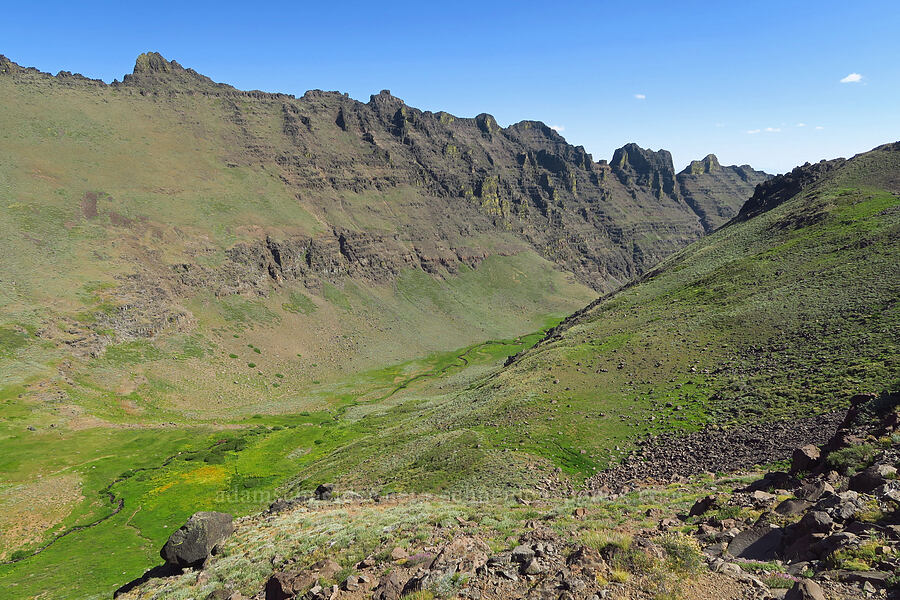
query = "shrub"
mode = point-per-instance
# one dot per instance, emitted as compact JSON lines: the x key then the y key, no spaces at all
{"x":728,"y":512}
{"x":617,"y":550}
{"x":618,"y":576}
{"x":251,"y":365}
{"x":856,"y":558}
{"x":852,"y":459}
{"x":603,"y":540}
{"x":683,"y":552}
{"x":779,"y":581}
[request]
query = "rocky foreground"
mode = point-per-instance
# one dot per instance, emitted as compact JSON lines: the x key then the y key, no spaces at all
{"x":828,"y":528}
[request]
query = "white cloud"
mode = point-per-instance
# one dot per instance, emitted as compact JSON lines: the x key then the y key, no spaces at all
{"x":557,"y":128}
{"x":801,"y":124}
{"x":852,"y":78}
{"x":640,"y":96}
{"x":819,"y":127}
{"x":767,"y":130}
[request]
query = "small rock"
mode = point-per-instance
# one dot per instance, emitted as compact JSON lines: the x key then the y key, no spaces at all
{"x":279,"y":505}
{"x":703,"y":505}
{"x":761,"y":497}
{"x":366,"y":563}
{"x":669,"y":523}
{"x":326,"y":568}
{"x":534,"y":567}
{"x":351,"y":584}
{"x":522,"y":554}
{"x":389,"y":587}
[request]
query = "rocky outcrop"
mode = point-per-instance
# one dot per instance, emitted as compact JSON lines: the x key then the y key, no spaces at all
{"x":781,"y":188}
{"x":713,"y":192}
{"x":635,"y":165}
{"x":256,"y":267}
{"x":835,"y":516}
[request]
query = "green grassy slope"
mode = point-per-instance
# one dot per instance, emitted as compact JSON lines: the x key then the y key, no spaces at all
{"x":784,"y":315}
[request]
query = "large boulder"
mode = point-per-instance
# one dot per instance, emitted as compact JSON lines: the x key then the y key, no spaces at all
{"x":816,"y":521}
{"x":812,"y":491}
{"x":192,"y":544}
{"x":841,"y":507}
{"x":805,"y":589}
{"x":760,"y":542}
{"x":805,"y":458}
{"x":872,"y":477}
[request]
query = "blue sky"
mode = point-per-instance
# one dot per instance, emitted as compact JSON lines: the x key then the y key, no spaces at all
{"x":754,"y":82}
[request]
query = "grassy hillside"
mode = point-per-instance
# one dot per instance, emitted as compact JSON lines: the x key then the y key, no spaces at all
{"x":781,"y":316}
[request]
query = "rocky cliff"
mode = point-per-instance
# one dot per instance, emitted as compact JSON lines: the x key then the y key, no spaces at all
{"x":453,"y":179}
{"x":711,"y":189}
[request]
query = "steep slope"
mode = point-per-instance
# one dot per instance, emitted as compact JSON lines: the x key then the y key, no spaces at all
{"x":714,"y":193}
{"x":776,"y":316}
{"x":762,"y":328}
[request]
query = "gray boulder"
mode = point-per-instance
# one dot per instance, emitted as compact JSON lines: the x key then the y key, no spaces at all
{"x":792,"y":507}
{"x":841,"y":507}
{"x":816,"y":521}
{"x":805,"y":589}
{"x":522,"y":554}
{"x":325,"y":491}
{"x":805,"y":458}
{"x":192,"y":544}
{"x":872,"y":477}
{"x":761,"y":542}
